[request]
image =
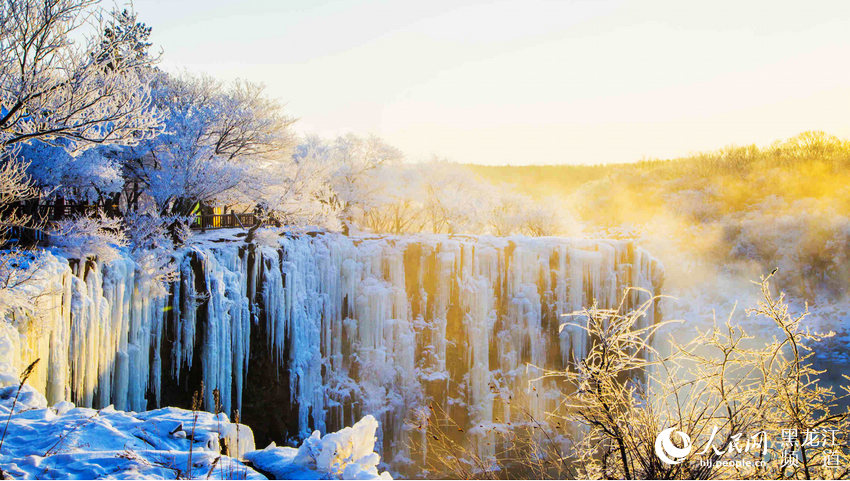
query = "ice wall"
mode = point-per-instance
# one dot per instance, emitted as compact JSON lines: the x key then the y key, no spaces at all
{"x":321,"y":330}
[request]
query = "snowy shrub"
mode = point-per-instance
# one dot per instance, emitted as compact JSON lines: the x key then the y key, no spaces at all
{"x":152,"y":247}
{"x":82,"y":237}
{"x":735,"y":396}
{"x":267,"y":238}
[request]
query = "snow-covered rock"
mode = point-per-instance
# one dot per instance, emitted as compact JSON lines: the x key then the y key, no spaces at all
{"x":345,"y":454}
{"x":67,"y":442}
{"x":27,"y":399}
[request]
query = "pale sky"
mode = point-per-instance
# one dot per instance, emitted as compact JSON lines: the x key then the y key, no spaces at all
{"x":529,"y":82}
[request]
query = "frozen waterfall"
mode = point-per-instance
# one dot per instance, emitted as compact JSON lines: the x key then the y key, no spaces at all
{"x":324,"y":329}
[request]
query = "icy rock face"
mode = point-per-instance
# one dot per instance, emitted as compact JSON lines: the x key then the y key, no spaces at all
{"x":95,"y":331}
{"x":319,"y":331}
{"x":10,"y":348}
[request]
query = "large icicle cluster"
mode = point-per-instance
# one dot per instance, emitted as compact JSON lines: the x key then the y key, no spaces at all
{"x":96,"y":331}
{"x":354,"y":326}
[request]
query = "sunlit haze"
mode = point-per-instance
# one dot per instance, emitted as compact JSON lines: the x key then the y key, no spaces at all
{"x":529,"y":82}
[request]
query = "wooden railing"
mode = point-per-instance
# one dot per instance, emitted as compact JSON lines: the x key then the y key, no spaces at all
{"x":64,"y":211}
{"x":224,"y":221}
{"x":59,"y":211}
{"x":45,"y":214}
{"x":32,"y":236}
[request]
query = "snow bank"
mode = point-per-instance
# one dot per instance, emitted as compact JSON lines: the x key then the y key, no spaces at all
{"x":67,"y":442}
{"x":346,"y":454}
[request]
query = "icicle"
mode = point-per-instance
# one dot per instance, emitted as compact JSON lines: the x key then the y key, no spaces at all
{"x":376,"y":326}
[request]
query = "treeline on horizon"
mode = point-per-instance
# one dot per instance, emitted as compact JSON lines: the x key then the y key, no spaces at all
{"x":754,"y":208}
{"x":811,"y":149}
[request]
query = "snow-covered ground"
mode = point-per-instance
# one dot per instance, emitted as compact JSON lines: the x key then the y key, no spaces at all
{"x":67,"y":442}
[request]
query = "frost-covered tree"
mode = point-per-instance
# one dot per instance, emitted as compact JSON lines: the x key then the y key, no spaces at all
{"x":72,"y":94}
{"x":351,"y":162}
{"x":544,"y":218}
{"x":453,"y":200}
{"x":16,"y":267}
{"x":294,"y":193}
{"x":510,"y":212}
{"x":125,"y":38}
{"x":95,"y":174}
{"x":504,"y":215}
{"x":60,"y":96}
{"x":15,"y":187}
{"x":91,"y":176}
{"x":366,"y":185}
{"x":70,"y":88}
{"x":396,"y":203}
{"x":216,"y":137}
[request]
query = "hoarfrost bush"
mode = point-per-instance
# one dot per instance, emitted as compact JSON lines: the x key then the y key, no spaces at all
{"x":722,"y":389}
{"x":152,"y":246}
{"x":81,"y":237}
{"x":267,"y":238}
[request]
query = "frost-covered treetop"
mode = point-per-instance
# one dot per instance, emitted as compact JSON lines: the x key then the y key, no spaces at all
{"x":53,"y":88}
